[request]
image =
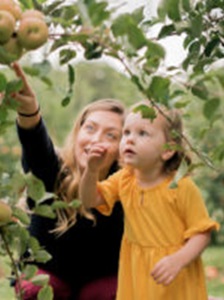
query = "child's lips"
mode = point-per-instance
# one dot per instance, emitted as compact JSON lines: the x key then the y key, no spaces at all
{"x":129,"y":151}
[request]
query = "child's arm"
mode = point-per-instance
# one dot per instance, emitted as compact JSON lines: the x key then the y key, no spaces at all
{"x":88,"y":184}
{"x":168,"y":267}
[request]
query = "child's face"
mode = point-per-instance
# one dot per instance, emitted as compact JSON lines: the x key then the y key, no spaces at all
{"x":142,"y":143}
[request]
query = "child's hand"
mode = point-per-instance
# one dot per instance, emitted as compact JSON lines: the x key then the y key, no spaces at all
{"x":96,"y":156}
{"x":166,"y":270}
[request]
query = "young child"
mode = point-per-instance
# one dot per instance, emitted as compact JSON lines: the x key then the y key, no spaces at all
{"x":166,"y":229}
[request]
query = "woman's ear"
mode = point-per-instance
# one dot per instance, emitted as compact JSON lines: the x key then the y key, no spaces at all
{"x":169,"y":151}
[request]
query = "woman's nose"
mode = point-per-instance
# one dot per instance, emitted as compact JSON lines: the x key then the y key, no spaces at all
{"x":97,"y":137}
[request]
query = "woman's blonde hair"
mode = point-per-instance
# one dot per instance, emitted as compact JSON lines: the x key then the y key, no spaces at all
{"x":69,"y":175}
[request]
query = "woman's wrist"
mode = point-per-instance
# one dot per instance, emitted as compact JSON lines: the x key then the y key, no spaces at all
{"x":29,"y":115}
{"x":29,"y":120}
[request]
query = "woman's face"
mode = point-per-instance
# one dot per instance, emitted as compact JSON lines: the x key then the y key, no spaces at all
{"x":100,"y":127}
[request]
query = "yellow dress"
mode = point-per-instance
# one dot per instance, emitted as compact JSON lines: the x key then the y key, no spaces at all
{"x":158,"y":221}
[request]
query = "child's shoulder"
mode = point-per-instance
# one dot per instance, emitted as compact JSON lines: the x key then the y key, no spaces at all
{"x":186,"y":183}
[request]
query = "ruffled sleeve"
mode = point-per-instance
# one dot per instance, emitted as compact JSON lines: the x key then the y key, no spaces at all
{"x":193,"y":209}
{"x":109,"y":189}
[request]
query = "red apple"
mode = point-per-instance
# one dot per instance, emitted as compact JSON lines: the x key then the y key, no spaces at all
{"x":5,"y":213}
{"x":32,"y":33}
{"x":7,"y":25}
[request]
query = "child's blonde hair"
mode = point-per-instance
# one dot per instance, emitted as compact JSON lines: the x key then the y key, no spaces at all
{"x":173,"y":130}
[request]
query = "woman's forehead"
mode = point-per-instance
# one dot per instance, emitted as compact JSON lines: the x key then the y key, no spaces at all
{"x":105,"y":118}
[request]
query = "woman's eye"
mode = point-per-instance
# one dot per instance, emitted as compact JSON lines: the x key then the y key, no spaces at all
{"x":111,"y":136}
{"x":89,"y":127}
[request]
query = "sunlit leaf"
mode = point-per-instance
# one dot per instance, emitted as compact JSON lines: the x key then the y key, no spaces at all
{"x":40,"y":279}
{"x":29,"y":271}
{"x":46,"y":293}
{"x":35,"y":187}
{"x":146,"y":111}
{"x":42,"y":256}
{"x":181,"y":172}
{"x":21,"y":215}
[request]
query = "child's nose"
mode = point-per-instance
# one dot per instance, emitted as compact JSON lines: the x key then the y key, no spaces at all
{"x":130,"y":139}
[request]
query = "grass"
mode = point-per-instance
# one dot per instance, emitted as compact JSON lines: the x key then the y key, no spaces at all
{"x":213,"y":258}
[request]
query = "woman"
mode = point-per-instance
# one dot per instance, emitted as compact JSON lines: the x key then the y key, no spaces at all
{"x":77,"y":269}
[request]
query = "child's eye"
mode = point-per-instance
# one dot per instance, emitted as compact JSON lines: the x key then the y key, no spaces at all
{"x":143,"y":133}
{"x":126,"y":132}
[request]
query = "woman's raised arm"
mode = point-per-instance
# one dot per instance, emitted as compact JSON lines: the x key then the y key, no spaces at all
{"x":28,"y":109}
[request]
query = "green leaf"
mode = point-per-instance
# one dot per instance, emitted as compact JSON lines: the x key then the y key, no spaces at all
{"x":211,"y":107}
{"x":166,"y":30}
{"x":170,"y":8}
{"x":186,"y":4}
{"x":44,"y":211}
{"x":97,"y":11}
{"x":59,"y":205}
{"x":40,"y":280}
{"x":125,"y":25}
{"x":3,"y":82}
{"x":71,"y":75}
{"x":35,"y":187}
{"x":29,"y":271}
{"x":146,"y":111}
{"x":211,"y":46}
{"x":38,"y":69}
{"x":159,"y":89}
{"x":46,"y":293}
{"x":34,"y":244}
{"x":196,"y":25}
{"x":138,"y":14}
{"x":21,"y":215}
{"x":42,"y":256}
{"x":14,"y":86}
{"x":65,"y":55}
{"x":65,"y":101}
{"x":200,"y":90}
{"x":181,"y":172}
{"x":75,"y":203}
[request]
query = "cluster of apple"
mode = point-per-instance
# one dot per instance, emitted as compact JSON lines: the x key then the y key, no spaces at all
{"x":20,"y":31}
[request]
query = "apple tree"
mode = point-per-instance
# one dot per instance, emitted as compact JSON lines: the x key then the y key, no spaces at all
{"x":94,"y":30}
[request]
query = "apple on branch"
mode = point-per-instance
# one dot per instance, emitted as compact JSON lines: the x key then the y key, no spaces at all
{"x":12,"y":7}
{"x":33,"y":13}
{"x":32,"y":32}
{"x":5,"y":213}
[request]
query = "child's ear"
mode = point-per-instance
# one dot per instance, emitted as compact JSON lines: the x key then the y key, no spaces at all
{"x":169,"y":151}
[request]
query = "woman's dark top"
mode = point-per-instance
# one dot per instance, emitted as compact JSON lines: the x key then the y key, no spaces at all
{"x":85,"y":252}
